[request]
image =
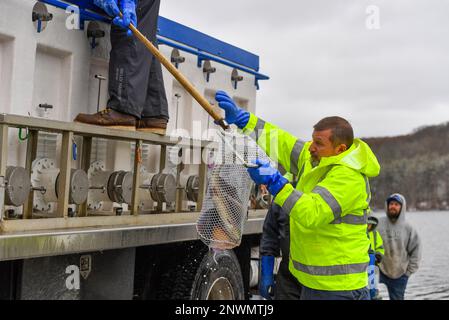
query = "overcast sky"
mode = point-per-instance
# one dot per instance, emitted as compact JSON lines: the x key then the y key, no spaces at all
{"x":387,"y":76}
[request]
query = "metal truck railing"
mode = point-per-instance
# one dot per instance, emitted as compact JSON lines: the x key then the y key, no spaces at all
{"x":26,"y":236}
{"x":69,"y":130}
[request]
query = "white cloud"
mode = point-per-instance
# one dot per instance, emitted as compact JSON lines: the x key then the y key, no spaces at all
{"x":323,"y":61}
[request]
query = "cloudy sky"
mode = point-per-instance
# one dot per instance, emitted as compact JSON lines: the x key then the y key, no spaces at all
{"x":383,"y":65}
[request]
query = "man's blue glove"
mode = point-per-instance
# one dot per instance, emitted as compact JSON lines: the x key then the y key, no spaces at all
{"x":128,"y":8}
{"x":233,"y":114}
{"x":266,"y":284}
{"x":109,"y":6}
{"x":267,"y":175}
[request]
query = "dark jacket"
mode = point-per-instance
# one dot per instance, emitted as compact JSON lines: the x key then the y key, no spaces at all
{"x":276,"y":233}
{"x":275,"y":241}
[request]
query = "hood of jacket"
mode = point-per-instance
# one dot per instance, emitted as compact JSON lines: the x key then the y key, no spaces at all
{"x":401,"y":218}
{"x":359,"y":157}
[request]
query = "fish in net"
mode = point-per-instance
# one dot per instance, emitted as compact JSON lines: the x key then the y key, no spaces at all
{"x":225,"y":205}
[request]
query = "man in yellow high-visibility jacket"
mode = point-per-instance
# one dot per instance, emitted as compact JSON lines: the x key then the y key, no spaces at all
{"x":376,"y":252}
{"x":328,"y":208}
{"x":376,"y":242}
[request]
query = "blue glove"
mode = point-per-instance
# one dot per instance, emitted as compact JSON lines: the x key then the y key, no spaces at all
{"x":109,"y":6}
{"x":372,"y":285}
{"x":233,"y":114}
{"x":266,"y":284}
{"x":267,"y":175}
{"x":128,"y":8}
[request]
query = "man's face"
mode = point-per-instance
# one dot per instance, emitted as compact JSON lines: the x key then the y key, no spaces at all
{"x":394,"y":209}
{"x":322,"y":145}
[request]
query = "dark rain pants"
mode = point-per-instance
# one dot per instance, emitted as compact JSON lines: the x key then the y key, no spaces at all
{"x":136,"y":85}
{"x":287,"y":286}
{"x":312,"y":294}
{"x":274,"y":241}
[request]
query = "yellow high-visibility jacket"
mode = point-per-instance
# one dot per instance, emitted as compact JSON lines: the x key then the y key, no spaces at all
{"x":328,"y":209}
{"x":376,"y":242}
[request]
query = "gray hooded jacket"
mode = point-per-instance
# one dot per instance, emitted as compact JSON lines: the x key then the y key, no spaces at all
{"x":402,"y":245}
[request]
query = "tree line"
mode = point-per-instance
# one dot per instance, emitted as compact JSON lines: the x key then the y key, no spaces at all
{"x":415,"y":165}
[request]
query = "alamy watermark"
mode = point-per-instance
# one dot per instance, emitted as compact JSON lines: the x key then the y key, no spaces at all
{"x":213,"y":147}
{"x":73,"y":21}
{"x":72,"y":282}
{"x":372,"y":21}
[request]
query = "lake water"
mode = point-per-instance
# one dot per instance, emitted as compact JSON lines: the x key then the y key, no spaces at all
{"x":432,"y":279}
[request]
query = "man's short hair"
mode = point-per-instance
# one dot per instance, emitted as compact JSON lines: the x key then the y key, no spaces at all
{"x":342,"y":132}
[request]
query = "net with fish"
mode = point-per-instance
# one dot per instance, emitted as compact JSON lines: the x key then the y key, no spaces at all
{"x":225,"y":205}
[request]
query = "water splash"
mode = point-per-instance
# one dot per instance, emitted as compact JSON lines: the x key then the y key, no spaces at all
{"x":215,"y":252}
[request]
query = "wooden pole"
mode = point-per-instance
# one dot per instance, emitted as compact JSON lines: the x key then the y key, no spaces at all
{"x":180,"y":77}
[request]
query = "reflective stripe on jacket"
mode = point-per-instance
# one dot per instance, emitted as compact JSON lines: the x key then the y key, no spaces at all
{"x":376,"y":242}
{"x":328,"y":209}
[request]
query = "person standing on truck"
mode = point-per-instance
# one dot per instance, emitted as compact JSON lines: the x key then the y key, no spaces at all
{"x":137,"y":98}
{"x":402,"y":248}
{"x":329,"y":206}
{"x":275,"y":242}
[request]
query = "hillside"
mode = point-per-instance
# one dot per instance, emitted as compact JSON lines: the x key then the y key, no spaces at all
{"x":416,"y":165}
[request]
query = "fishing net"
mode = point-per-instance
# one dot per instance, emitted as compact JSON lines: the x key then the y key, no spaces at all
{"x":225,"y":205}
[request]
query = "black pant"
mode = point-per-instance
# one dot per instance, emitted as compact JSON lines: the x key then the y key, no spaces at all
{"x":136,"y":85}
{"x":312,"y":294}
{"x":287,"y":286}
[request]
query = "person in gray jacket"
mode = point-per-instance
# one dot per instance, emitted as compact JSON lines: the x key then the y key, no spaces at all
{"x":402,"y":247}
